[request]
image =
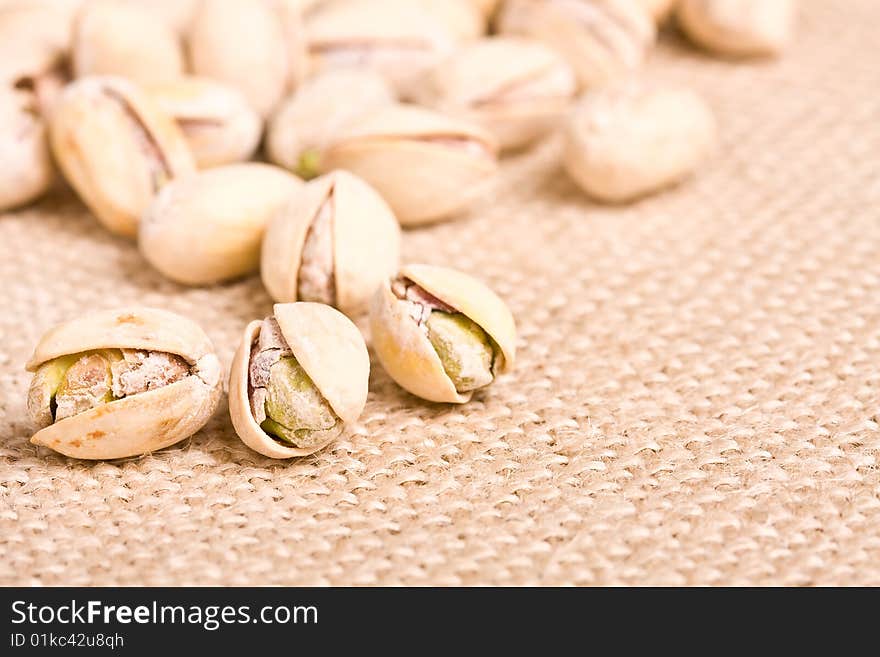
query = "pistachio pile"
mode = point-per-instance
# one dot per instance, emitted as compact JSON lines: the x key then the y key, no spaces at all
{"x":363,"y":116}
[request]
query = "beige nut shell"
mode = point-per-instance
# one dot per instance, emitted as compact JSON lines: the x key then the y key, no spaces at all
{"x":207,"y":227}
{"x":331,"y":350}
{"x":99,"y":147}
{"x":426,"y":165}
{"x":406,"y":352}
{"x":631,"y":140}
{"x":366,"y":240}
{"x":25,"y":164}
{"x":738,"y":28}
{"x":144,"y":422}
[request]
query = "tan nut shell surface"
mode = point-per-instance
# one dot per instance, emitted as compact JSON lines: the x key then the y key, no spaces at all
{"x":738,"y":27}
{"x":366,"y":240}
{"x":332,"y":352}
{"x":147,"y":421}
{"x":208,"y":227}
{"x":422,"y":181}
{"x":25,"y":164}
{"x":101,"y":153}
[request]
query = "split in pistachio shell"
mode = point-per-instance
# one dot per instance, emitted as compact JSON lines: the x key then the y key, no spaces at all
{"x":122,"y":383}
{"x":426,"y":165}
{"x":400,"y":39}
{"x":207,"y":227}
{"x":629,"y":140}
{"x":298,"y":378}
{"x":601,"y":39}
{"x":515,"y":88}
{"x":25,"y":164}
{"x":219,"y":126}
{"x":334,"y":242}
{"x":739,"y":28}
{"x":116,"y":148}
{"x":111,"y":38}
{"x":325,"y":104}
{"x":441,"y":334}
{"x":256,"y":60}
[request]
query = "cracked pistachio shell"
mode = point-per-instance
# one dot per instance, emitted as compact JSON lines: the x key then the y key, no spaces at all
{"x":119,"y":39}
{"x":176,"y":14}
{"x":601,"y":39}
{"x":207,"y":227}
{"x":25,"y":164}
{"x":116,"y":148}
{"x":310,"y":117}
{"x":404,"y":349}
{"x":659,"y":10}
{"x":426,"y":165}
{"x":738,"y":27}
{"x":143,"y":422}
{"x":515,"y":88}
{"x":400,"y":39}
{"x":365,"y":240}
{"x":331,"y":350}
{"x":246,"y":44}
{"x":627,"y":141}
{"x":219,"y":126}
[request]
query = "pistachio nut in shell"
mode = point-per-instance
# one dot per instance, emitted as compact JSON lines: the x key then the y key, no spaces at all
{"x":426,"y":165}
{"x":515,"y":88}
{"x":298,"y":378}
{"x":207,"y":227}
{"x":111,"y":38}
{"x":219,"y":126}
{"x":334,"y":242}
{"x":309,"y":118}
{"x":601,"y":39}
{"x":176,"y":14}
{"x":116,"y":148}
{"x":441,"y":334}
{"x":738,"y":28}
{"x":399,"y":39}
{"x":120,"y":383}
{"x":632,"y":139}
{"x":25,"y":163}
{"x":659,"y":10}
{"x":255,"y":61}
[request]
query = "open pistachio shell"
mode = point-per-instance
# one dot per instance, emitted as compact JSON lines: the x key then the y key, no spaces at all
{"x":738,"y":27}
{"x":362,"y":244}
{"x":120,"y":39}
{"x":515,"y":88}
{"x":310,"y":117}
{"x":25,"y":164}
{"x":331,"y":351}
{"x":208,"y":227}
{"x":176,"y":14}
{"x":135,"y":424}
{"x":219,"y":126}
{"x":426,"y":165}
{"x":404,"y":347}
{"x":116,"y":148}
{"x":601,"y":39}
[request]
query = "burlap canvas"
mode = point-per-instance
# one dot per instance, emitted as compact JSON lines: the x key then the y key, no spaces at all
{"x":695,"y":400}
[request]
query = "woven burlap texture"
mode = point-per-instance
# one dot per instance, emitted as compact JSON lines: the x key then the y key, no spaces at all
{"x":695,"y":400}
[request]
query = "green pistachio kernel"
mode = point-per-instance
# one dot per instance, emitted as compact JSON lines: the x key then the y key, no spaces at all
{"x":296,"y":411}
{"x":307,"y":165}
{"x":464,"y":348}
{"x":86,"y":383}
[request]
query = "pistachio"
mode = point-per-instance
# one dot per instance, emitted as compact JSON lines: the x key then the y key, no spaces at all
{"x":219,"y":126}
{"x":121,"y":39}
{"x":601,"y":39}
{"x":116,"y":148}
{"x":426,"y":165}
{"x":626,"y":141}
{"x":441,"y":334}
{"x":176,"y":14}
{"x":121,"y":383}
{"x":515,"y":88}
{"x":486,"y":7}
{"x":659,"y":10}
{"x":258,"y":61}
{"x":738,"y":27}
{"x":400,"y":39}
{"x":334,"y":242}
{"x":298,"y":378}
{"x":207,"y":227}
{"x":307,"y":120}
{"x":25,"y":163}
